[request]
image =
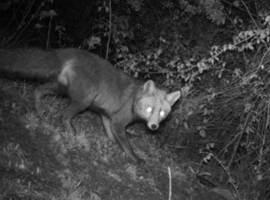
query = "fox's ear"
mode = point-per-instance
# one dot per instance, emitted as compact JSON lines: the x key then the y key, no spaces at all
{"x":149,"y":86}
{"x":173,"y":97}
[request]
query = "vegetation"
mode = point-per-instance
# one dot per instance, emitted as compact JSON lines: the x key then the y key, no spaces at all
{"x":215,"y":51}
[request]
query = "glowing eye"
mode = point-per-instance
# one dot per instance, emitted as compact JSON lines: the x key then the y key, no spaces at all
{"x":162,"y":113}
{"x":149,"y":109}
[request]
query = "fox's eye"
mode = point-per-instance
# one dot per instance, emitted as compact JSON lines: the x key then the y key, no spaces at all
{"x":149,"y":109}
{"x":162,"y":113}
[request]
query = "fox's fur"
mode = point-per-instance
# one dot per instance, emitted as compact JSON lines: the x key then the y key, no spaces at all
{"x":91,"y":82}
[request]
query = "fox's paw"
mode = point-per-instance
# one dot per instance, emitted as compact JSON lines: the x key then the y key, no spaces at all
{"x":143,"y":166}
{"x":69,"y":127}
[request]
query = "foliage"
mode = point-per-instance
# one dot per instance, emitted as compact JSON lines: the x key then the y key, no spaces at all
{"x":237,"y":110}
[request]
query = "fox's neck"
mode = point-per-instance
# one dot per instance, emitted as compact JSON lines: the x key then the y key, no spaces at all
{"x":127,"y":109}
{"x":137,"y":93}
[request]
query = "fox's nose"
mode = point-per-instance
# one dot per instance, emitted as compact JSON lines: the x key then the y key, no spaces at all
{"x":153,"y":127}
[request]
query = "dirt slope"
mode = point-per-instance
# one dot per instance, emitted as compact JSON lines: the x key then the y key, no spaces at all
{"x":40,"y":160}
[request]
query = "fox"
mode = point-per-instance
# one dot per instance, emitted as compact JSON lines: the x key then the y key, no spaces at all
{"x":91,"y":82}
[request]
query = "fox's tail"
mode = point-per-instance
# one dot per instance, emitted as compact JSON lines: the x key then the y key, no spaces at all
{"x":29,"y":64}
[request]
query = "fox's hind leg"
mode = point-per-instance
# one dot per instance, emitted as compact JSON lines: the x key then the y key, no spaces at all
{"x":69,"y":113}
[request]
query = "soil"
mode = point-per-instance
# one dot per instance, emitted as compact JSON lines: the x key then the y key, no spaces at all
{"x":39,"y":159}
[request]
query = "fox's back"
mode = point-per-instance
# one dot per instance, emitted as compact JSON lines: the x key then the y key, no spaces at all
{"x":94,"y":76}
{"x":94,"y":68}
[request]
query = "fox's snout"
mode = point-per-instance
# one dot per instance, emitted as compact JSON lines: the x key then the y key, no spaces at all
{"x":153,"y":126}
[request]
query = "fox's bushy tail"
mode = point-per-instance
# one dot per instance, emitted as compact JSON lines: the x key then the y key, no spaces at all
{"x":29,"y":64}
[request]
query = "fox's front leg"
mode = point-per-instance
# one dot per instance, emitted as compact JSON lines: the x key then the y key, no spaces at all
{"x":119,"y":133}
{"x":107,"y":126}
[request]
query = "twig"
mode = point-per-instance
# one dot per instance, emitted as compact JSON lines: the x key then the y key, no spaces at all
{"x":110,"y":30}
{"x":239,"y":139}
{"x":22,"y":24}
{"x":249,"y":13}
{"x":17,"y":35}
{"x":261,"y":153}
{"x":227,"y":171}
{"x":263,"y":57}
{"x":170,"y":183}
{"x":49,"y":33}
{"x":27,"y":13}
{"x":252,"y":18}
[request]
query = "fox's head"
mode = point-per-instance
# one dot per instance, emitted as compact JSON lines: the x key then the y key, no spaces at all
{"x":153,"y":104}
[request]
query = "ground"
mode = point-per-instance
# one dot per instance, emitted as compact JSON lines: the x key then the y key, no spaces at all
{"x":39,"y":159}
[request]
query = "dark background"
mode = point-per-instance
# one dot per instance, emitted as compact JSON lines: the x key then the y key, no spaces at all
{"x":217,"y":137}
